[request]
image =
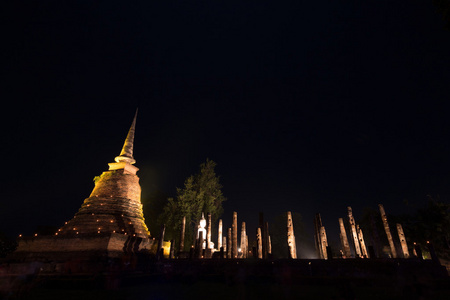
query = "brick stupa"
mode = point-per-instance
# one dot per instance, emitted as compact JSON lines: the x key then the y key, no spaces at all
{"x":114,"y":205}
{"x":110,"y":223}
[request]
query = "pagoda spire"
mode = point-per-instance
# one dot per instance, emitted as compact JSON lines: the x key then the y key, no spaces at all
{"x":126,"y":155}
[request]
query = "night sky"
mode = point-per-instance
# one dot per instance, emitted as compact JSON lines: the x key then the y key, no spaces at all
{"x":307,"y":106}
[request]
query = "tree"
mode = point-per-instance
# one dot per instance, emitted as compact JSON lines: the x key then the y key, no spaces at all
{"x":443,"y":7}
{"x":201,"y":193}
{"x":430,"y":223}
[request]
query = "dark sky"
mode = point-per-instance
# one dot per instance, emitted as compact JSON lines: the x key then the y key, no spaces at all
{"x":308,"y":106}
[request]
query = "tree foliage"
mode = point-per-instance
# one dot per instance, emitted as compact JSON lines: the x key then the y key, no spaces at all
{"x":430,"y":223}
{"x":443,"y":8}
{"x":202,"y":192}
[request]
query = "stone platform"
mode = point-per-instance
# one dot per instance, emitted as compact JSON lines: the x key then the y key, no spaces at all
{"x":83,"y":247}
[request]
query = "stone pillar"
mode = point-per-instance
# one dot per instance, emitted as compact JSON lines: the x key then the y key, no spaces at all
{"x":323,"y":242}
{"x":243,"y":236}
{"x":317,"y":240}
{"x":229,"y":244}
{"x":224,"y":244}
{"x":344,"y":239}
{"x":200,"y":244}
{"x":208,"y":231}
{"x":401,"y":236}
{"x":219,"y":238}
{"x":329,"y":253}
{"x":291,"y":236}
{"x":364,"y":252}
{"x":269,"y":251}
{"x":183,"y":230}
{"x":433,"y":254}
{"x":266,"y":240}
{"x":221,"y":253}
{"x":375,"y":238}
{"x":246,"y":246}
{"x":259,"y":243}
{"x":196,"y":245}
{"x":353,"y":232}
{"x":371,"y":252}
{"x":160,"y":242}
{"x":234,"y":246}
{"x":418,"y":251}
{"x":388,"y":231}
{"x":261,"y":226}
{"x":172,"y":249}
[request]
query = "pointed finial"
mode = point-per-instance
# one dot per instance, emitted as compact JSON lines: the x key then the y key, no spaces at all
{"x":126,"y":155}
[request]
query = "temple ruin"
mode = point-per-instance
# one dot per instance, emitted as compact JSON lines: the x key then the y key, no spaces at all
{"x":109,"y":223}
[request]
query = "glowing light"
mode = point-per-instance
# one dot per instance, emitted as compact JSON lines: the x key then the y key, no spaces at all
{"x":98,"y":231}
{"x":56,"y":233}
{"x":20,"y":235}
{"x":77,"y":232}
{"x":112,"y":221}
{"x":166,"y":248}
{"x":74,"y":228}
{"x":35,"y":234}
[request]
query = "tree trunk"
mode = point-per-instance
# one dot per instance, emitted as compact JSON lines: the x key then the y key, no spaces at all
{"x":182,"y":233}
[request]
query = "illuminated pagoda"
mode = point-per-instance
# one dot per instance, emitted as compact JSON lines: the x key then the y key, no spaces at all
{"x":109,"y":223}
{"x":114,"y":205}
